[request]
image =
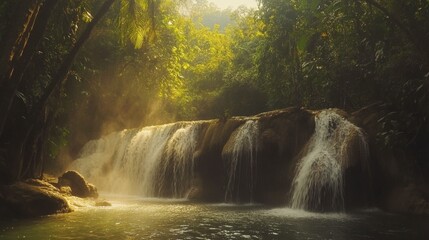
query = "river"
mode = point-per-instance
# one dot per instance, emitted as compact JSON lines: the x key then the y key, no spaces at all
{"x":138,"y":218}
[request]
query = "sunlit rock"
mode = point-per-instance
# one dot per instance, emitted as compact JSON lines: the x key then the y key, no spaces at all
{"x":102,"y":203}
{"x":31,"y":198}
{"x":79,"y":187}
{"x":66,"y":190}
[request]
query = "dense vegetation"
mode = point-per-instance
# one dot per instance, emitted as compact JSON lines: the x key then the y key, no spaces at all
{"x":73,"y":70}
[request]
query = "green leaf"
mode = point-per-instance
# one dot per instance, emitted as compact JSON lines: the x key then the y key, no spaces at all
{"x":303,"y":42}
{"x":312,"y":5}
{"x":87,"y":17}
{"x":21,"y":96}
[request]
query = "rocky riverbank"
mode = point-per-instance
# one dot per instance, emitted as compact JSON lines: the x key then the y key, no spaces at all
{"x":50,"y":195}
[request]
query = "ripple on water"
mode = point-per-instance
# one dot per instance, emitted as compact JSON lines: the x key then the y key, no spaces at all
{"x":155,"y":220}
{"x":298,"y":213}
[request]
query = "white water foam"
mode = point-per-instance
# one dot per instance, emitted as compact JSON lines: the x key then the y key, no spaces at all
{"x":243,"y":154}
{"x":319,"y":183}
{"x":300,"y":213}
{"x":133,"y":161}
{"x":180,"y":156}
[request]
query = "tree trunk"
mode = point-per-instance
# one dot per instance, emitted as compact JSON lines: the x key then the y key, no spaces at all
{"x":31,"y":154}
{"x":65,"y":66}
{"x":34,"y":131}
{"x":25,"y":155}
{"x":17,"y":35}
{"x":15,"y":75}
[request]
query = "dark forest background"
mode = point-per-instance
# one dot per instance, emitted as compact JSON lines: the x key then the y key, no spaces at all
{"x":74,"y":70}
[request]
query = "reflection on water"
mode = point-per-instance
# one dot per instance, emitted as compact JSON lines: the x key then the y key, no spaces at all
{"x":135,"y":218}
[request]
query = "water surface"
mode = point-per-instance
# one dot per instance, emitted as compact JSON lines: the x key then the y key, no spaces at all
{"x":134,"y":218}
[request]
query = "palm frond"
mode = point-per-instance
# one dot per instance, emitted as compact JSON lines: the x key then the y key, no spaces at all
{"x":137,"y":20}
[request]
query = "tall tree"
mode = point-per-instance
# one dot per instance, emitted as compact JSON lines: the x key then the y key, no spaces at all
{"x":21,"y":54}
{"x":23,"y":147}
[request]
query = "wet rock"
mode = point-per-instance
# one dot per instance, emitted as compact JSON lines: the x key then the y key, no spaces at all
{"x":31,"y":198}
{"x":397,"y":181}
{"x":92,"y":190}
{"x":195,"y":194}
{"x":282,"y":135}
{"x":407,"y":199}
{"x":66,"y":190}
{"x":102,"y":203}
{"x":79,"y":187}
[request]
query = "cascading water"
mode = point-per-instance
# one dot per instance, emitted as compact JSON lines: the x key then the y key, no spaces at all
{"x":98,"y":159}
{"x":179,"y":160}
{"x":319,"y":182}
{"x":241,"y":158}
{"x":160,"y":161}
{"x":140,"y":161}
{"x":143,"y":157}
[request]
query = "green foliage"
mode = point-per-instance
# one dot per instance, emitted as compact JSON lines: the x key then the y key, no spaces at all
{"x":202,"y":55}
{"x":207,"y":14}
{"x":279,"y":69}
{"x":408,"y":120}
{"x":58,"y":141}
{"x":348,"y":54}
{"x":136,"y":19}
{"x":152,"y":62}
{"x":119,"y":85}
{"x":4,"y":6}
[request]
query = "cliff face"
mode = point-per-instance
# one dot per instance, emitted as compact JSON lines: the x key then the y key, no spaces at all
{"x":259,"y":167}
{"x":313,"y":160}
{"x":398,"y":182}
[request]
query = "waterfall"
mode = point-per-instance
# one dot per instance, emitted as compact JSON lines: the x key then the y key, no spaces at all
{"x":143,"y":157}
{"x":241,"y":159}
{"x":97,"y":158}
{"x":161,"y":161}
{"x":179,"y":161}
{"x":158,"y":161}
{"x":319,"y":182}
{"x":142,"y":161}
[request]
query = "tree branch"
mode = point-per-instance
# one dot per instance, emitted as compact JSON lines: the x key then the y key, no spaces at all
{"x":417,"y":42}
{"x":65,"y":66}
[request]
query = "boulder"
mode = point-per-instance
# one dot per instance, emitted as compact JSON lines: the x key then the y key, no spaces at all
{"x":79,"y":187}
{"x":92,"y":190}
{"x":30,"y":199}
{"x":102,"y":203}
